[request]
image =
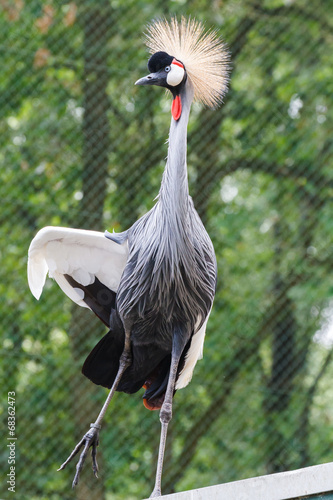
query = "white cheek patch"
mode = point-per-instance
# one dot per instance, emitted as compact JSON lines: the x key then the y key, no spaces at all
{"x":175,"y":75}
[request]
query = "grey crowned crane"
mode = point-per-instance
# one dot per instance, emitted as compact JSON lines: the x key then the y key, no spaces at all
{"x":153,"y":285}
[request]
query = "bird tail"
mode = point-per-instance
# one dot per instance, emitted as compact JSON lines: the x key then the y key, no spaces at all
{"x":149,"y":366}
{"x":102,"y":364}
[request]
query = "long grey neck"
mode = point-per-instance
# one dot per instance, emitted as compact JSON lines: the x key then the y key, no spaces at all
{"x":174,"y":187}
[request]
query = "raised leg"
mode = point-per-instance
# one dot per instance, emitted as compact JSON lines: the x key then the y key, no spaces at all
{"x":166,"y":413}
{"x":91,"y":438}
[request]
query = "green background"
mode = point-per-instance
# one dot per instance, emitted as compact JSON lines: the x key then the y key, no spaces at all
{"x":81,"y":146}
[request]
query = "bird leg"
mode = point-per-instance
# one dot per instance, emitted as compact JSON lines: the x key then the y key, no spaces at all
{"x":166,"y":414}
{"x":91,"y":438}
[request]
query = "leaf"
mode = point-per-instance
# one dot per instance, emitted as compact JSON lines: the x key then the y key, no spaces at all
{"x":43,"y":23}
{"x":13,"y":10}
{"x":70,"y":16}
{"x":41,"y":57}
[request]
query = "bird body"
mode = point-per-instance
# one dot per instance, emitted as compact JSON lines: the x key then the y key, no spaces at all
{"x":159,"y":277}
{"x":154,"y":284}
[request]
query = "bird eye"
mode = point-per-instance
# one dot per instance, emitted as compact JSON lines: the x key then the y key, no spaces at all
{"x":167,"y":69}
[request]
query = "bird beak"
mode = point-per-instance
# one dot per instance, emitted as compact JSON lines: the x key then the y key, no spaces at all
{"x":152,"y":79}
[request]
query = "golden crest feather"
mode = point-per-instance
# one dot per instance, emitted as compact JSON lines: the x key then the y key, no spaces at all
{"x":203,"y":53}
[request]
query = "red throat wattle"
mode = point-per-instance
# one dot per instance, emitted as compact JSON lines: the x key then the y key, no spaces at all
{"x":176,"y":108}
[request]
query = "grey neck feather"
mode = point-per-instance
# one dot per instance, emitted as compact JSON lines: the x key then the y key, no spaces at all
{"x":174,"y":187}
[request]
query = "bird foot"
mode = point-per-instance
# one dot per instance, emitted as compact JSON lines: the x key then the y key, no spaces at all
{"x":90,"y":439}
{"x":156,"y":493}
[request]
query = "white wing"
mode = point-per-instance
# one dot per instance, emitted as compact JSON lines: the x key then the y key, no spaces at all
{"x":193,"y":355}
{"x":78,"y":254}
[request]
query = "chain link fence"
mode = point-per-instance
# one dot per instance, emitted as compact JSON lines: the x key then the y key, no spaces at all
{"x":82,"y":147}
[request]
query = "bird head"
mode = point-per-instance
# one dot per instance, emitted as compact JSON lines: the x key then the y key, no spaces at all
{"x":184,"y":51}
{"x":166,"y":71}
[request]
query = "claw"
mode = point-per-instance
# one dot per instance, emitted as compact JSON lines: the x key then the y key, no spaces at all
{"x":91,"y":438}
{"x":94,"y":460}
{"x":156,"y":494}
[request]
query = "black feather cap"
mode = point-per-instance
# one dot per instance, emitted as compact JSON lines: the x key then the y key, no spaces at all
{"x":159,"y":61}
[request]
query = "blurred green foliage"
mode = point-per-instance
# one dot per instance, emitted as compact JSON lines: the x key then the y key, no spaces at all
{"x":81,"y":146}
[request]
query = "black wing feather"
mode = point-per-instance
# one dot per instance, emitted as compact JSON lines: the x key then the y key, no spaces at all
{"x":98,"y":297}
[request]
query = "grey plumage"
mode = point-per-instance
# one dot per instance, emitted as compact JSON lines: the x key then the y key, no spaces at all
{"x":170,"y":277}
{"x":170,"y":251}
